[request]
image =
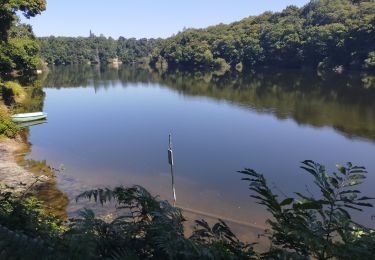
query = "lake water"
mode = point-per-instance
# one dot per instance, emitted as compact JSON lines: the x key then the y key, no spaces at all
{"x":110,"y":126}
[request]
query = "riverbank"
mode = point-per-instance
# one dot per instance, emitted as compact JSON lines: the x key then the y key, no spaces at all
{"x":14,"y":176}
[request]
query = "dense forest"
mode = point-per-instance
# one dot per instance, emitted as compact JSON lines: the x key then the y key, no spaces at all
{"x":324,"y":33}
{"x":94,"y":49}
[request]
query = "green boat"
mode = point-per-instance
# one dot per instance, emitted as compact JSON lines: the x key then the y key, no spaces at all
{"x":27,"y":117}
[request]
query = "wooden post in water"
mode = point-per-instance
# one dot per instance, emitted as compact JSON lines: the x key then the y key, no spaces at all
{"x":170,"y":161}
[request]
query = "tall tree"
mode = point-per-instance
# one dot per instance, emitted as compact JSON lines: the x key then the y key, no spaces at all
{"x":9,"y":8}
{"x":18,"y":48}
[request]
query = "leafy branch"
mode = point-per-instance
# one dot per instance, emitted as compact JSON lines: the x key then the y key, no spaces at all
{"x":309,"y":226}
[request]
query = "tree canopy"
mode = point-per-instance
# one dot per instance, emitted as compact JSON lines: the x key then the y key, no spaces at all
{"x":325,"y":33}
{"x":18,"y":48}
{"x":9,"y":8}
{"x":94,"y":49}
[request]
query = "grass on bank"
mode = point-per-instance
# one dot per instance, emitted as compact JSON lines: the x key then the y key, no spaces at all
{"x":13,"y":91}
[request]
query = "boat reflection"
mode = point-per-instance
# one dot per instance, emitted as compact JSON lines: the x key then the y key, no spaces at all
{"x":31,"y":123}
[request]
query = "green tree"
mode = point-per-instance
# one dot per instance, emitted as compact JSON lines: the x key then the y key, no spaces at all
{"x":9,"y":8}
{"x":328,"y":33}
{"x":18,"y":48}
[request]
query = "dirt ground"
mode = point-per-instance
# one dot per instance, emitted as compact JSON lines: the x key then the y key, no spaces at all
{"x":13,"y":175}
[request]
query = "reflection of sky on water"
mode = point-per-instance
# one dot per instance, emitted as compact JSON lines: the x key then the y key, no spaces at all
{"x":119,"y":135}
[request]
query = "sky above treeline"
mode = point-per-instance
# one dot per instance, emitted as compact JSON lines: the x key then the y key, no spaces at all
{"x":145,"y":18}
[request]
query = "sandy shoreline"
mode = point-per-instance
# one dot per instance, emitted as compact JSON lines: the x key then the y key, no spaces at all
{"x":16,"y":177}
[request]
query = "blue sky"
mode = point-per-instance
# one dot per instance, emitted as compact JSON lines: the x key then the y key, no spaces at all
{"x":144,"y":18}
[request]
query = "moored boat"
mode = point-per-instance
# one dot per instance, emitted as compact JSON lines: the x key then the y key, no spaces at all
{"x":26,"y":117}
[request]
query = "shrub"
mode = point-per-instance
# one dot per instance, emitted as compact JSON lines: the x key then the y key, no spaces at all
{"x":26,"y":231}
{"x":148,"y":229}
{"x":321,"y":226}
{"x":7,"y":127}
{"x":239,"y":67}
{"x":152,"y":228}
{"x":302,"y":227}
{"x":12,"y":92}
{"x":221,"y":64}
{"x":369,"y":63}
{"x":15,"y":88}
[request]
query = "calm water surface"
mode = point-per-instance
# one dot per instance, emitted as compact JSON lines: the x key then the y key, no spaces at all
{"x":110,"y":126}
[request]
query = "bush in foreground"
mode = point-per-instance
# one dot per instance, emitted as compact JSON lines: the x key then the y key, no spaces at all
{"x":149,"y":228}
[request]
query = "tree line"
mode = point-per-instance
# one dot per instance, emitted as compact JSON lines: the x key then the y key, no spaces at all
{"x":323,"y":33}
{"x":94,"y":49}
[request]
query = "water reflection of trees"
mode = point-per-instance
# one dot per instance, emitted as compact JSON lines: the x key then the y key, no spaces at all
{"x":55,"y":201}
{"x":47,"y":191}
{"x":343,"y":102}
{"x":94,"y":76}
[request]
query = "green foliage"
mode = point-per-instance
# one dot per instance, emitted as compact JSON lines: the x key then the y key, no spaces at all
{"x":239,"y":67}
{"x":14,"y":87}
{"x":151,"y":228}
{"x":370,"y":61}
{"x":14,"y":245}
{"x":19,"y":212}
{"x":94,"y":49}
{"x":326,"y":32}
{"x":322,"y":226}
{"x":221,"y":241}
{"x":146,"y":227}
{"x":20,"y":51}
{"x":25,"y":228}
{"x":331,"y":32}
{"x":7,"y":127}
{"x":24,"y":53}
{"x":9,"y":9}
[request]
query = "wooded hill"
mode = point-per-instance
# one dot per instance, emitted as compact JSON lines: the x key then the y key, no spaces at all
{"x":323,"y":33}
{"x":94,"y":49}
